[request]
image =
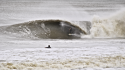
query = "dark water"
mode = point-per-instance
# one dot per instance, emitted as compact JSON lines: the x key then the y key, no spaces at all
{"x":44,"y":29}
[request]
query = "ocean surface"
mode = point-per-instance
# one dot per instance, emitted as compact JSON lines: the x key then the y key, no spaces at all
{"x":83,"y":34}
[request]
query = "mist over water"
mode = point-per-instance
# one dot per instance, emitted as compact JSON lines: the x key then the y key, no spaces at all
{"x":22,"y":11}
{"x":13,"y":11}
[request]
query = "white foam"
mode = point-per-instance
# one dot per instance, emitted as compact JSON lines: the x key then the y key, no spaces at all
{"x":86,"y":54}
{"x":112,"y":26}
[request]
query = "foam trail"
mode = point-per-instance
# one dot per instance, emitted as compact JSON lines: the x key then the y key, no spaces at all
{"x":113,"y":26}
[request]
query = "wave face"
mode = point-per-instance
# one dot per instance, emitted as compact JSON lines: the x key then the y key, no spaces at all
{"x":45,"y":29}
{"x":113,"y":26}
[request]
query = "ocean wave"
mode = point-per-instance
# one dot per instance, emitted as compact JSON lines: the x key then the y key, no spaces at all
{"x":44,"y":29}
{"x":109,"y":27}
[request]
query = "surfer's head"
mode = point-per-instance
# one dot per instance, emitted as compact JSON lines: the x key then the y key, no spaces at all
{"x":48,"y":45}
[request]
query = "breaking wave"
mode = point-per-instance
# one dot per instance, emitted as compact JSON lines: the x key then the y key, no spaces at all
{"x":45,"y":29}
{"x":113,"y":26}
{"x":109,"y":27}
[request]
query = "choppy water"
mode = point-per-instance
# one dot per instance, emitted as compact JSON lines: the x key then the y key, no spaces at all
{"x":96,"y":41}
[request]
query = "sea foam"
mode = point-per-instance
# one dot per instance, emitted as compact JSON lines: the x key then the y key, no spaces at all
{"x":112,"y":26}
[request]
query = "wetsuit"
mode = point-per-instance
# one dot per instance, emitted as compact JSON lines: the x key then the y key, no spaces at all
{"x":48,"y":46}
{"x":70,"y":30}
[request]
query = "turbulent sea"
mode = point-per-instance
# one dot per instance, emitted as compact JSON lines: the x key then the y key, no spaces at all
{"x":83,"y":34}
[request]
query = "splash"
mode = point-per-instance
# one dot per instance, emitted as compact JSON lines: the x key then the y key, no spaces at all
{"x":113,"y":26}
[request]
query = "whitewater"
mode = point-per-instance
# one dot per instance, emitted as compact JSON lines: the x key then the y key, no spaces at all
{"x":83,"y":35}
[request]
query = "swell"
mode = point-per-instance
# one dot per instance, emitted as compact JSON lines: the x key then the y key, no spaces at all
{"x":44,"y":29}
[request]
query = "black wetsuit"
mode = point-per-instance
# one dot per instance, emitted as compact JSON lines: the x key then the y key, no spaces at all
{"x":48,"y":46}
{"x":70,"y":30}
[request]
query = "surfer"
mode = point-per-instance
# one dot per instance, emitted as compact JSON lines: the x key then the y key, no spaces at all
{"x":48,"y":46}
{"x":70,"y":30}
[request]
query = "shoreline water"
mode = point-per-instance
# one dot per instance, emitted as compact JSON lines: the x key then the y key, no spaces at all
{"x":77,"y":54}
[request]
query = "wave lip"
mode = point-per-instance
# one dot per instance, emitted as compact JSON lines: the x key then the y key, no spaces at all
{"x":45,"y":29}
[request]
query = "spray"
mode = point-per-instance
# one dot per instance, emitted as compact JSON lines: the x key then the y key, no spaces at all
{"x":112,"y":26}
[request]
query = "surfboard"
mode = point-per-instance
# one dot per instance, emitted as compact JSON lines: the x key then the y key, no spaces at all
{"x":47,"y":47}
{"x":70,"y":34}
